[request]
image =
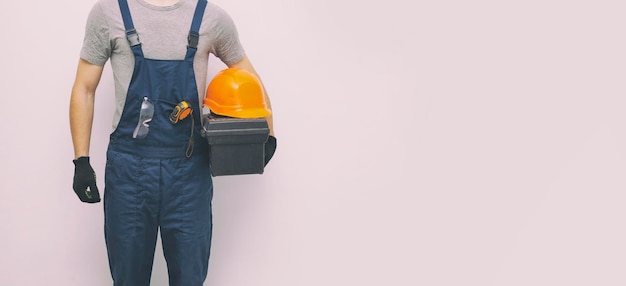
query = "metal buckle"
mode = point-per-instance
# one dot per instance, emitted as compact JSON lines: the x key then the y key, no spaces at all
{"x":193,"y":39}
{"x":132,"y":37}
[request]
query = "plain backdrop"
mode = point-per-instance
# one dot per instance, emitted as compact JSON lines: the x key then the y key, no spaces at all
{"x":419,"y":143}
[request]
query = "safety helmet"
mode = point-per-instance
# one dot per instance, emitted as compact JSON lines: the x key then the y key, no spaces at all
{"x":235,"y":92}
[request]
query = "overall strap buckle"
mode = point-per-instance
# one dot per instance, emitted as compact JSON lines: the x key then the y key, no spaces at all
{"x":192,"y":39}
{"x":132,"y":37}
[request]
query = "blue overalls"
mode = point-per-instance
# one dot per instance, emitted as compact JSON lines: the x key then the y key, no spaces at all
{"x":150,"y":182}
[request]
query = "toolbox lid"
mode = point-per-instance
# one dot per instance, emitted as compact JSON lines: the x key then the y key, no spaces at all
{"x":227,"y":130}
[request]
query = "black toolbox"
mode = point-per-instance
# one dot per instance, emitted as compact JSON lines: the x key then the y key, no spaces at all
{"x":237,"y":145}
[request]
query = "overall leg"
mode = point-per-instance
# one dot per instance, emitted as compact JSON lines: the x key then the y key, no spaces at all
{"x":185,"y":219}
{"x":131,"y":210}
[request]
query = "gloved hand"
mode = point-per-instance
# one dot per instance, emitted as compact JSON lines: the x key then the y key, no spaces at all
{"x":270,"y":148}
{"x":85,"y":181}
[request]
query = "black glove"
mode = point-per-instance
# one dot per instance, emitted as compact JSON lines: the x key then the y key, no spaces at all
{"x":85,"y":181}
{"x":270,"y":148}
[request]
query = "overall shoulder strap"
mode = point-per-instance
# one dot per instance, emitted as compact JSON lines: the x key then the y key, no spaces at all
{"x":194,"y":31}
{"x":131,"y":33}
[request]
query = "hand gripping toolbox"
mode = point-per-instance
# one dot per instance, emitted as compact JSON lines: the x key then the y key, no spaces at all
{"x":237,"y":145}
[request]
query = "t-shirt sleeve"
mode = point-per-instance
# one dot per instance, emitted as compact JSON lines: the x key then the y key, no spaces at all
{"x":227,"y":46}
{"x":96,"y":44}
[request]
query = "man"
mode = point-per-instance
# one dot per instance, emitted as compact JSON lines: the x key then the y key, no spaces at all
{"x":157,"y":173}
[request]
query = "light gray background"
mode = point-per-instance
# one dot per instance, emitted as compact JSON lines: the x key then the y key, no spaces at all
{"x":420,"y":143}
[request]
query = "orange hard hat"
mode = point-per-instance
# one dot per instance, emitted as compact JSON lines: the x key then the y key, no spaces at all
{"x":235,"y":92}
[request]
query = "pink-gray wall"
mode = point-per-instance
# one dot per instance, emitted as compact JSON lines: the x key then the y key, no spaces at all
{"x":435,"y":143}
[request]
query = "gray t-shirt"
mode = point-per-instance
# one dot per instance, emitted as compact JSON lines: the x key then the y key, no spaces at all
{"x":163,"y":33}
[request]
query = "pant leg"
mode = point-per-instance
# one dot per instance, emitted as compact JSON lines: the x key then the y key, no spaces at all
{"x":131,"y":209}
{"x":186,"y":220}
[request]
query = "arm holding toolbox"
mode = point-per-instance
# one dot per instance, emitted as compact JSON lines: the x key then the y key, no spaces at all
{"x":81,"y":119}
{"x":270,"y":145}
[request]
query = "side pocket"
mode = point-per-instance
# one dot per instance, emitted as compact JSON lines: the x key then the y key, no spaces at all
{"x":121,"y":202}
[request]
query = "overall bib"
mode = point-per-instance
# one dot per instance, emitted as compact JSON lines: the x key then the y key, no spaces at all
{"x":153,"y":182}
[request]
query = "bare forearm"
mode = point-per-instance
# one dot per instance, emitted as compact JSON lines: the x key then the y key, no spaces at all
{"x":81,"y":105}
{"x":81,"y":120}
